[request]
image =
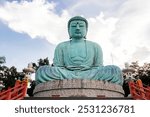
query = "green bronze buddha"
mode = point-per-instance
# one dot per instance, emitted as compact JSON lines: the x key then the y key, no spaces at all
{"x":79,"y":58}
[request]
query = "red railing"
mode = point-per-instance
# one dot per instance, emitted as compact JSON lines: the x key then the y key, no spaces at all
{"x":138,"y":91}
{"x":18,"y":92}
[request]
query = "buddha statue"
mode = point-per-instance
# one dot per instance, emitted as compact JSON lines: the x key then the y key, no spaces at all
{"x":79,"y":58}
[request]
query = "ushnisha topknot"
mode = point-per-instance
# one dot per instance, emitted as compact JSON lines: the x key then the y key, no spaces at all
{"x":78,"y":18}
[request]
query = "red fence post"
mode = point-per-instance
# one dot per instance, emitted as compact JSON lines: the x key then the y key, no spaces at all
{"x":132,"y":89}
{"x":141,"y":88}
{"x":8,"y":94}
{"x":25,"y":84}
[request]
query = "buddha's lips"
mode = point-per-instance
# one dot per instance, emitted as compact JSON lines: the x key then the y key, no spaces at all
{"x":78,"y":32}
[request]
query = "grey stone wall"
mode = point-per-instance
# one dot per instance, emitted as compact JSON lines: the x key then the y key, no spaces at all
{"x":78,"y":88}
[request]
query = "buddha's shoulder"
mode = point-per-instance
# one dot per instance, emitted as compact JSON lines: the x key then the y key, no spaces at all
{"x":92,"y":43}
{"x":63,"y":44}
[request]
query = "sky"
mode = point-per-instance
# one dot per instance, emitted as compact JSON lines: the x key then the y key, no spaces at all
{"x":31,"y":29}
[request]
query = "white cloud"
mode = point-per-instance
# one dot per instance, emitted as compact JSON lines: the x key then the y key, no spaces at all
{"x":132,"y":31}
{"x":35,"y":18}
{"x":90,"y":8}
{"x":121,"y":36}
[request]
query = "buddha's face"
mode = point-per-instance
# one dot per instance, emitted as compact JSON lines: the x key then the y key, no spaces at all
{"x":77,"y":29}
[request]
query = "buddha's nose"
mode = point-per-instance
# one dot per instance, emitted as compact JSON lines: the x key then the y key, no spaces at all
{"x":77,"y":27}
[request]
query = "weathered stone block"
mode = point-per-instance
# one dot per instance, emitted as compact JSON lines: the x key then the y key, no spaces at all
{"x":78,"y":88}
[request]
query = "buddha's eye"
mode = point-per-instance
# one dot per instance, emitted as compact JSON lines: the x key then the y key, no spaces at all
{"x":81,"y":25}
{"x":73,"y":25}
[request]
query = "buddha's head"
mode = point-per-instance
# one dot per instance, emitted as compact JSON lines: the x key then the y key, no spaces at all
{"x":77,"y":27}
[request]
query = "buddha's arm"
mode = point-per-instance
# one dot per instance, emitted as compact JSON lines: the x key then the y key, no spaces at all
{"x":98,"y":56}
{"x":58,"y":57}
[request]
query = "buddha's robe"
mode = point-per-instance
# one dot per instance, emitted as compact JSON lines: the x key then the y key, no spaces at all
{"x":80,"y":59}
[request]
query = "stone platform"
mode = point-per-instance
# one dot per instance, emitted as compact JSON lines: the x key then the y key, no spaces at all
{"x":78,"y":88}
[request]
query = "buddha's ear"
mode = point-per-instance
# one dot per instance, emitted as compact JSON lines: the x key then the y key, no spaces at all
{"x":85,"y":35}
{"x":70,"y":36}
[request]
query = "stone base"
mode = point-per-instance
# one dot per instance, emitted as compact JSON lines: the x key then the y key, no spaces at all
{"x":78,"y":88}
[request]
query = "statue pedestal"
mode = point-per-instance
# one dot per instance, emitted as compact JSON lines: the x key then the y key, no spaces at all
{"x":78,"y":88}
